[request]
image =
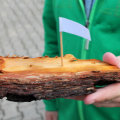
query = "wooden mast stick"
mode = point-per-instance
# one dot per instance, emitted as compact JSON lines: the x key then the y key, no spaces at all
{"x":61,"y":45}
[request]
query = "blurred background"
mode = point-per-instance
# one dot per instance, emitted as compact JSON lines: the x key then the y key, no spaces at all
{"x":21,"y":33}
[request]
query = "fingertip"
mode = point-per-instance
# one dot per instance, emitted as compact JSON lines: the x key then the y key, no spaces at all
{"x":110,"y":58}
{"x":89,"y":99}
{"x":94,"y":97}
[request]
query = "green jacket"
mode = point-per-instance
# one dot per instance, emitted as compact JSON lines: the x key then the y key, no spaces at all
{"x":105,"y":33}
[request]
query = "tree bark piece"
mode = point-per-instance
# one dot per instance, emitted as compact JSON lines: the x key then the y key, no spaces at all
{"x":24,"y":79}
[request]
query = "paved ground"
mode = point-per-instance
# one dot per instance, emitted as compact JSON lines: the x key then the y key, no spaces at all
{"x":21,"y":33}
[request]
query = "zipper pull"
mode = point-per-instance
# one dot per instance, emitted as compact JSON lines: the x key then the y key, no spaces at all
{"x":87,"y":41}
{"x":87,"y":24}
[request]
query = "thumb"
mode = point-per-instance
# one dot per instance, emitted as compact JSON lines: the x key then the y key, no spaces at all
{"x":111,"y":59}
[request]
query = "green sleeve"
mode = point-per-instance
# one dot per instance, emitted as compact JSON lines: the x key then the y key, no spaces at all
{"x":51,"y":45}
{"x":50,"y":105}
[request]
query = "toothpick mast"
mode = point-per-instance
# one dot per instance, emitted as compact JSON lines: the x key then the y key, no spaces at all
{"x":72,"y":27}
{"x":61,"y":47}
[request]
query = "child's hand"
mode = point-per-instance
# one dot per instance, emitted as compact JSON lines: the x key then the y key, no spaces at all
{"x":51,"y":115}
{"x":108,"y":96}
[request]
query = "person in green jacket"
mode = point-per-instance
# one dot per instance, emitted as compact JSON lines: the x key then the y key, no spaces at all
{"x":104,"y":26}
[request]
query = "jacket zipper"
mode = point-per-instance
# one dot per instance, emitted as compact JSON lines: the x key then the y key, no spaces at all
{"x":84,"y":51}
{"x":88,"y":25}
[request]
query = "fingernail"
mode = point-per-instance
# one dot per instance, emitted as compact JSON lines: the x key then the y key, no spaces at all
{"x":118,"y":65}
{"x":118,"y":58}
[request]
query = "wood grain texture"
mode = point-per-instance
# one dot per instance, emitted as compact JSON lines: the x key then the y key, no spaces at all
{"x":26,"y":79}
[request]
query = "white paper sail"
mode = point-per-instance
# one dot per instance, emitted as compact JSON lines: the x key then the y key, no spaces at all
{"x":75,"y":28}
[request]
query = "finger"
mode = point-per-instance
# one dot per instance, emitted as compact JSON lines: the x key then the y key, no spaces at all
{"x":113,"y":104}
{"x":110,"y":58}
{"x":51,"y":115}
{"x":55,"y":117}
{"x":103,"y":94}
{"x":114,"y":100}
{"x":117,"y":99}
{"x":48,"y":117}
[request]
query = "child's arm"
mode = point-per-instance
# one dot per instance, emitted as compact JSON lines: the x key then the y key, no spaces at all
{"x":108,"y":96}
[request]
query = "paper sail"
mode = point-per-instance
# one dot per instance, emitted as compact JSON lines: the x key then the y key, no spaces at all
{"x":69,"y":26}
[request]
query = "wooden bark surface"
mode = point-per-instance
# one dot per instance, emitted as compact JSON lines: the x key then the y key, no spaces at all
{"x":26,"y":79}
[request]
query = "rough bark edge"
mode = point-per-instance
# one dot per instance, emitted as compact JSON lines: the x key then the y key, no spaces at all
{"x":22,"y":88}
